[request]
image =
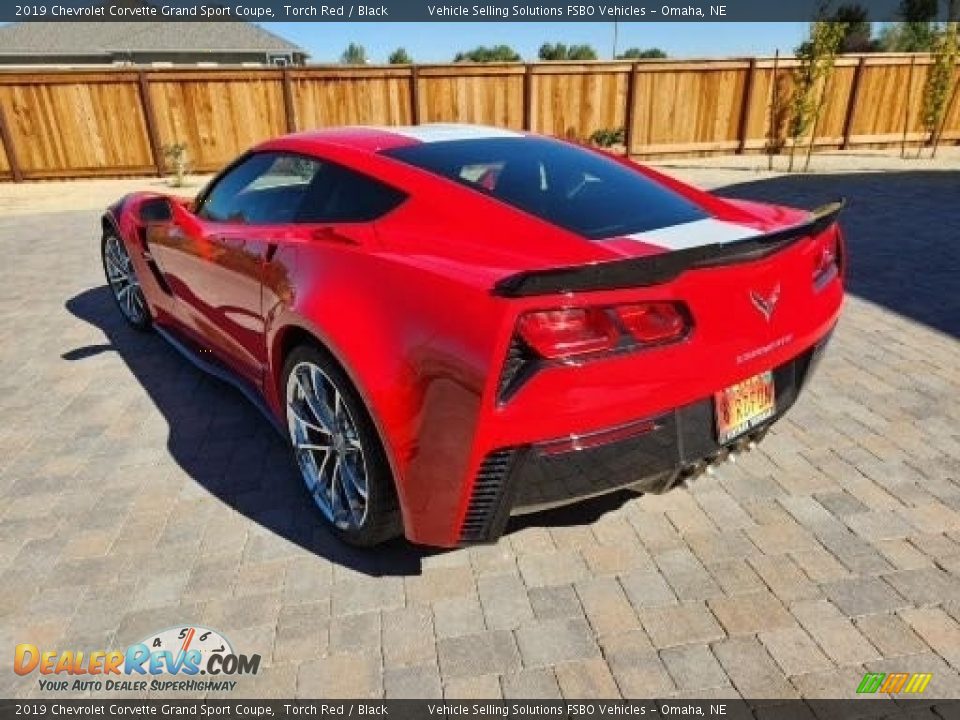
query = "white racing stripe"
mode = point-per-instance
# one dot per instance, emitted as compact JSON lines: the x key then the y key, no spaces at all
{"x":440,"y":132}
{"x":695,"y":234}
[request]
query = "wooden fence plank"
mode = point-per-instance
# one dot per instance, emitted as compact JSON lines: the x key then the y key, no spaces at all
{"x":747,"y":103}
{"x":628,"y":115}
{"x":150,"y":118}
{"x":852,"y":103}
{"x":289,"y":110}
{"x":9,"y":149}
{"x":414,"y":95}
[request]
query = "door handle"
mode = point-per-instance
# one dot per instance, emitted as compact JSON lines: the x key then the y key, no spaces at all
{"x":331,"y":234}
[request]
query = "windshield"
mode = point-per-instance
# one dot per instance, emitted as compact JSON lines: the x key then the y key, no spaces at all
{"x":566,"y":185}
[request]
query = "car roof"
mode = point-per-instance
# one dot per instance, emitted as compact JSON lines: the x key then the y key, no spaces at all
{"x":374,"y":138}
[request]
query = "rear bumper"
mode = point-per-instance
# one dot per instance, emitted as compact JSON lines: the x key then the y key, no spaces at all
{"x":649,"y":455}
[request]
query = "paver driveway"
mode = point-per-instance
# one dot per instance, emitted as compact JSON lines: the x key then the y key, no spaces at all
{"x":137,"y":494}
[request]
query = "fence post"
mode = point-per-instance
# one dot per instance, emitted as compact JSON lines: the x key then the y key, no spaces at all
{"x":906,"y":111}
{"x":414,"y":95}
{"x":745,"y":107}
{"x":289,"y":110}
{"x":527,"y":97}
{"x":852,"y":102}
{"x":7,"y":140}
{"x":151,"y":122}
{"x":628,"y":111}
{"x":774,"y":105}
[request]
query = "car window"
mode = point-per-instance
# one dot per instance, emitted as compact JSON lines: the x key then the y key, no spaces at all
{"x":265,"y":188}
{"x":269,"y":188}
{"x":566,"y":185}
{"x":342,"y":195}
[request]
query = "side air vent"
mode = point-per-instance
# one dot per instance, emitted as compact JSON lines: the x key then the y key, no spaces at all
{"x":520,"y":364}
{"x":486,"y":499}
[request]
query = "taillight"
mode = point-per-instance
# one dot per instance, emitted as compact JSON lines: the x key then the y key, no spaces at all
{"x":653,"y":323}
{"x":569,"y":332}
{"x":580,"y":334}
{"x":565,"y":333}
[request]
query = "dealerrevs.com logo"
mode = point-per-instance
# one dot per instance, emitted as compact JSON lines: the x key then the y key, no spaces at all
{"x":170,"y":660}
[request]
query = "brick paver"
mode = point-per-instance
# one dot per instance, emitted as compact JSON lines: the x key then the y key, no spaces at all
{"x":137,"y":494}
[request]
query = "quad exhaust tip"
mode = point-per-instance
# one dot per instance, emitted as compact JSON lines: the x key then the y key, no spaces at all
{"x":710,"y":465}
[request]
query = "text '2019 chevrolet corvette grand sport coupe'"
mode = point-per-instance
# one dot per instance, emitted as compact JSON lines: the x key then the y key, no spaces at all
{"x":452,"y":324}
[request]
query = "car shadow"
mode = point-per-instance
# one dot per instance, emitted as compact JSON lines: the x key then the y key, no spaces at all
{"x":225,"y":445}
{"x":223,"y":442}
{"x":902,"y":231}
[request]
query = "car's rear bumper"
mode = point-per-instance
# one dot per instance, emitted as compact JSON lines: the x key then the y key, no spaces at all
{"x":649,"y":455}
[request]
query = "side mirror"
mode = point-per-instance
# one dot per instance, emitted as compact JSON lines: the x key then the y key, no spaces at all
{"x":156,"y":210}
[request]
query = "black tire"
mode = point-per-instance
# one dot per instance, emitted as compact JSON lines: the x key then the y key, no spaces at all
{"x":140,"y":320}
{"x":381,"y":521}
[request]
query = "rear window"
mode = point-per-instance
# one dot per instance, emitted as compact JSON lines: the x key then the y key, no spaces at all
{"x":574,"y":188}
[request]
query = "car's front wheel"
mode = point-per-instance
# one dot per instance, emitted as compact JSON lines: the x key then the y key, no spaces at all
{"x":123,"y":281}
{"x":338,"y":450}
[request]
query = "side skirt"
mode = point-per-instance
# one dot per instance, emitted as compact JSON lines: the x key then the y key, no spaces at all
{"x":217,"y":370}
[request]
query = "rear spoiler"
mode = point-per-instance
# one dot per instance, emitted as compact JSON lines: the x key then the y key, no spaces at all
{"x":655,"y":269}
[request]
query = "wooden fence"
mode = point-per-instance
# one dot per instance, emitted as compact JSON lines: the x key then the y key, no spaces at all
{"x":84,"y":123}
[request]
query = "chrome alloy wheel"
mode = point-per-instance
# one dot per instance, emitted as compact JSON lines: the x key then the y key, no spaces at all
{"x":123,"y":280}
{"x":327,"y":446}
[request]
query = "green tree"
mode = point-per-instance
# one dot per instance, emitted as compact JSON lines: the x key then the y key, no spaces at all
{"x":552,"y":51}
{"x":484,"y":54}
{"x":354,"y":55}
{"x":917,"y":32}
{"x":858,"y":36}
{"x":936,"y":89}
{"x":559,"y":51}
{"x":817,"y":56}
{"x":581,"y":52}
{"x":400,"y":56}
{"x":635,"y":53}
{"x":857,"y":33}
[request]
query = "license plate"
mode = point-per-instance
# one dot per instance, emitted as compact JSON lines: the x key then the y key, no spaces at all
{"x":743,"y":406}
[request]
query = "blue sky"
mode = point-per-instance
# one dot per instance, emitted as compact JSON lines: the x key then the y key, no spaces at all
{"x":439,"y":42}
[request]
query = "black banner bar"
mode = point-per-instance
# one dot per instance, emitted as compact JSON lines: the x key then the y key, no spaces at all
{"x":452,"y":709}
{"x":435,"y":11}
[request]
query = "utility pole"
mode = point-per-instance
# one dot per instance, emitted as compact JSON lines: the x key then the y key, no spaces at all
{"x":616,"y":29}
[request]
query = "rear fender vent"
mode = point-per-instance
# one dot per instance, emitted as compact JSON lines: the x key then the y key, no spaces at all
{"x":487,"y":512}
{"x":521,"y":362}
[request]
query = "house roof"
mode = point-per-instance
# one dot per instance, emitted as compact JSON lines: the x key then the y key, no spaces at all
{"x":110,"y":38}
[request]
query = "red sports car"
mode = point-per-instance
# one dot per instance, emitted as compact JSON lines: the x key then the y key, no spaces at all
{"x":452,"y":324}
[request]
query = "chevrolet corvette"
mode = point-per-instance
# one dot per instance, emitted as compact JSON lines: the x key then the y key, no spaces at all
{"x":453,"y":324}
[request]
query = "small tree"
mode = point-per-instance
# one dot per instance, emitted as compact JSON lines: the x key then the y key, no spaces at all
{"x":354,"y":55}
{"x":552,"y":51}
{"x":817,"y":56}
{"x":400,"y":56}
{"x":936,"y":89}
{"x":581,"y":52}
{"x":176,"y":156}
{"x":917,"y":32}
{"x":609,"y":137}
{"x":635,"y":53}
{"x":858,"y":33}
{"x":483,"y":54}
{"x":559,"y":51}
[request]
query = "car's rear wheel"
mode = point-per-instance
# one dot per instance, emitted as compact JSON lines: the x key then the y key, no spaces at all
{"x":123,"y":281}
{"x":338,"y":450}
